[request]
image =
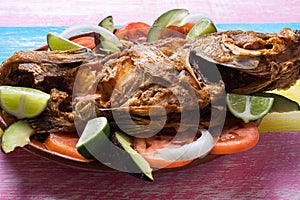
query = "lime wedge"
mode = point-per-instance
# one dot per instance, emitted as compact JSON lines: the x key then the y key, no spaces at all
{"x":16,"y":135}
{"x":56,"y":42}
{"x":23,"y":102}
{"x":249,"y":108}
{"x":203,"y":26}
{"x":92,"y":136}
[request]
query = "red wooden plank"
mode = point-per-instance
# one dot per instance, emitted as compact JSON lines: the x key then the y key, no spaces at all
{"x":269,"y":171}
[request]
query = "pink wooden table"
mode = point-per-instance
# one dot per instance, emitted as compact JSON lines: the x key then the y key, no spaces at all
{"x":271,"y":170}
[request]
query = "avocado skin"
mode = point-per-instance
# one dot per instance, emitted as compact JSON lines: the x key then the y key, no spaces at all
{"x":141,"y":176}
{"x":129,"y":164}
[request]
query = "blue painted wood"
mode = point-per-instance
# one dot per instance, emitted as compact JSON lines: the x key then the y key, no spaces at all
{"x":24,"y":38}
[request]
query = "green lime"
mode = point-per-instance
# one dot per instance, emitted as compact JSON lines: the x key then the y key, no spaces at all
{"x":203,"y":26}
{"x":249,"y":108}
{"x":92,"y":137}
{"x":23,"y":102}
{"x":16,"y":135}
{"x":56,"y":42}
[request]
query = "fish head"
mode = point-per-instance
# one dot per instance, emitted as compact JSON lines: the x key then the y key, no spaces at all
{"x":222,"y":48}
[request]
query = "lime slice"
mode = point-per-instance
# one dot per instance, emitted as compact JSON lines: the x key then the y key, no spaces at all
{"x":56,"y":42}
{"x":16,"y":135}
{"x":92,"y":137}
{"x":249,"y":108}
{"x":203,"y":26}
{"x":23,"y":102}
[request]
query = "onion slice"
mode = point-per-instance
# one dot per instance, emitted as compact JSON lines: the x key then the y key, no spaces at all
{"x":197,"y":149}
{"x":73,"y":30}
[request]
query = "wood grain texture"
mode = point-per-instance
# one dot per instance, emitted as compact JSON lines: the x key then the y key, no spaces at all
{"x":271,"y":170}
{"x":65,"y":12}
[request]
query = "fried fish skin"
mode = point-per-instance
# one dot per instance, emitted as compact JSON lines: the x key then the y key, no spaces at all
{"x":250,"y":62}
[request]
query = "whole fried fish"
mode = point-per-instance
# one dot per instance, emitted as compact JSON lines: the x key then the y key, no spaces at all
{"x":162,"y":78}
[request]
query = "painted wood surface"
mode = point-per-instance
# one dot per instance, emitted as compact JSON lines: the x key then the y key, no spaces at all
{"x":65,"y":12}
{"x":271,"y":170}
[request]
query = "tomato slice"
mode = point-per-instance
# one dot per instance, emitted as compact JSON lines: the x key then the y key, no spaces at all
{"x":86,"y":41}
{"x":177,"y":31}
{"x":147,"y":148}
{"x":237,"y":138}
{"x":63,"y":143}
{"x":135,"y":31}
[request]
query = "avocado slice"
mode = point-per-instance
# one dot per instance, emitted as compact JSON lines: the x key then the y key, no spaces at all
{"x":107,"y":23}
{"x":124,"y":142}
{"x":281,"y":103}
{"x":169,"y":18}
{"x":16,"y":135}
{"x":106,"y":46}
{"x":203,"y":26}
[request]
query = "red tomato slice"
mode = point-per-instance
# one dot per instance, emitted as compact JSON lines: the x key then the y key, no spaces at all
{"x":63,"y":143}
{"x":240,"y":137}
{"x":237,"y":137}
{"x":135,"y":31}
{"x":176,"y":31}
{"x":148,"y":146}
{"x":86,"y":41}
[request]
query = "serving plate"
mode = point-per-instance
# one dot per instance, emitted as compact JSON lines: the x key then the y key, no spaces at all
{"x":38,"y":148}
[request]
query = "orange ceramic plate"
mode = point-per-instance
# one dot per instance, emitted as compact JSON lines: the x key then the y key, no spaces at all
{"x":39,"y":148}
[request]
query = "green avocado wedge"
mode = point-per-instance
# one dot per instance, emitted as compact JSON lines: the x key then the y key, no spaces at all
{"x":107,"y":23}
{"x":202,"y":27}
{"x":124,"y":142}
{"x":169,"y":18}
{"x":281,"y":103}
{"x":104,"y":45}
{"x":16,"y":135}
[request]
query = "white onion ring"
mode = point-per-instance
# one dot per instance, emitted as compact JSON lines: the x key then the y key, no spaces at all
{"x":73,"y":30}
{"x":197,"y":149}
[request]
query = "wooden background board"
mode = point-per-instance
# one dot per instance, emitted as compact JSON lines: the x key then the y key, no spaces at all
{"x":65,"y":12}
{"x":271,"y":170}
